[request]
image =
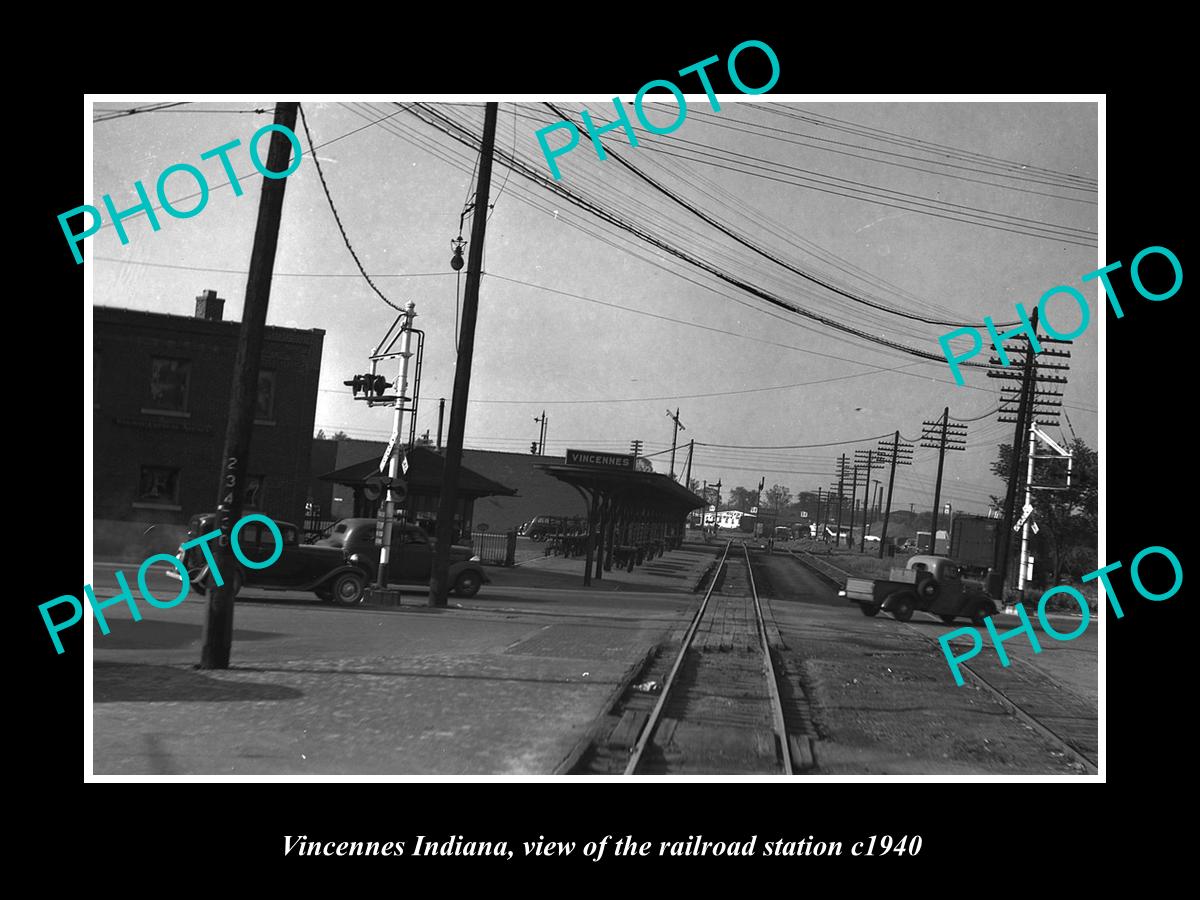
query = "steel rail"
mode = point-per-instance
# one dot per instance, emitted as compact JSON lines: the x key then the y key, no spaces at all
{"x":1019,"y":711}
{"x":772,"y":684}
{"x":652,"y":723}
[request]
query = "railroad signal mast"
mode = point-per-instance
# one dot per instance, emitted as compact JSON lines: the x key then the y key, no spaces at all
{"x":942,"y":435}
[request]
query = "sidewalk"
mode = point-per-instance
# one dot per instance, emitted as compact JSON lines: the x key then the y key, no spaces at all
{"x":675,"y":570}
{"x":318,"y":690}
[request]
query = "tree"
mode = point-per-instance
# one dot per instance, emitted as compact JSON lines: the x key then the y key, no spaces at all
{"x":321,"y":434}
{"x":644,"y":465}
{"x":1069,"y":518}
{"x":694,"y":485}
{"x":741,"y":498}
{"x":777,"y":497}
{"x":341,"y":436}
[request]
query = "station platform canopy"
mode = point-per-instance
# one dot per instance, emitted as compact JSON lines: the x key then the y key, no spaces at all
{"x":628,"y":509}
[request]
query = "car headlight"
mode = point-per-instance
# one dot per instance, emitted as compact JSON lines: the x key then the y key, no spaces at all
{"x":356,"y":558}
{"x":475,"y":559}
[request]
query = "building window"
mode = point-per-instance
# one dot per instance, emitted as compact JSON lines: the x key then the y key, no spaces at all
{"x":169,"y":381}
{"x":158,"y":486}
{"x":253,"y":497}
{"x":264,"y":408}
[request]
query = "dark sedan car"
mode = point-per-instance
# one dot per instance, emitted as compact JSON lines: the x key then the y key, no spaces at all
{"x":300,"y":567}
{"x":411,"y":557}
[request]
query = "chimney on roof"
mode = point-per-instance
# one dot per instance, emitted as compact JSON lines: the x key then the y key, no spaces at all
{"x":209,"y":306}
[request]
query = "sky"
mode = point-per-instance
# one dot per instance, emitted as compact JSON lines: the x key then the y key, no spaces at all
{"x":606,"y":332}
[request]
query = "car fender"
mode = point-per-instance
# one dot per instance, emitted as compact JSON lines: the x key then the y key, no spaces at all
{"x":458,"y":568}
{"x":330,"y":576}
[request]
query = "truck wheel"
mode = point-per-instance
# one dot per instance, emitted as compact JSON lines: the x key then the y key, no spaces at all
{"x":347,"y":589}
{"x":928,"y":588}
{"x":468,"y":584}
{"x":983,"y":610}
{"x":869,"y":609}
{"x":949,"y":620}
{"x":901,"y":607}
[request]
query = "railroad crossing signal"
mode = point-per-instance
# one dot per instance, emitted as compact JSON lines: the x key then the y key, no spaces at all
{"x":372,"y":387}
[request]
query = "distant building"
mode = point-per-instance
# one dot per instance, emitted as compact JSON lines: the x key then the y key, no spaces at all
{"x":423,"y":488}
{"x":536,"y":493}
{"x":161,"y":404}
{"x":726,"y":518}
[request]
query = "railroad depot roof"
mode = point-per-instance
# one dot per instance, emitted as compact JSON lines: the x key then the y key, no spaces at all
{"x":651,"y":489}
{"x":425,"y":468}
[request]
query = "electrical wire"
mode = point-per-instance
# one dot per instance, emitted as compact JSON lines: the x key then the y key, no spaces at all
{"x":337,"y":218}
{"x":125,"y":113}
{"x":451,"y":128}
{"x":746,"y":242}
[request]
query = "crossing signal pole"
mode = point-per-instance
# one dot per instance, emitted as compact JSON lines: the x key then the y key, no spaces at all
{"x":942,"y":435}
{"x":448,"y":503}
{"x":895,"y":453}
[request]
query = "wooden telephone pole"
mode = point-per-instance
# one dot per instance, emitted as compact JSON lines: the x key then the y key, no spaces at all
{"x":448,"y":503}
{"x":218,"y":621}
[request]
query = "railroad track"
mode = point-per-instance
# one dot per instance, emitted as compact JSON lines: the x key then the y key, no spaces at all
{"x":719,"y":708}
{"x":1030,"y":693}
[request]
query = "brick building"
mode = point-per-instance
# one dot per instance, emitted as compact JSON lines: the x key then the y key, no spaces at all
{"x":161,"y":402}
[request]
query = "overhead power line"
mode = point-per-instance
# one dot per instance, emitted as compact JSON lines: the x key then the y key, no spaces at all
{"x":338,"y":219}
{"x":756,"y":248}
{"x":462,"y":135}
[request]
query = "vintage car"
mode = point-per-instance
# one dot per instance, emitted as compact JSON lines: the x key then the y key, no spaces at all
{"x":411,"y":559}
{"x":324,"y":570}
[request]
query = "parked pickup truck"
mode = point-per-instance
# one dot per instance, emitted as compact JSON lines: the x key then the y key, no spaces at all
{"x":930,"y":583}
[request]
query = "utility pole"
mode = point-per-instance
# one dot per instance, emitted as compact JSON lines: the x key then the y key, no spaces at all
{"x":841,"y":488}
{"x":758,"y":516}
{"x":1029,"y":406}
{"x":441,"y":415}
{"x":635,"y":447}
{"x":438,"y":586}
{"x":942,"y":436}
{"x":853,"y":507}
{"x":817,"y":518}
{"x":870,"y":461}
{"x":688,"y":476}
{"x":218,"y":622}
{"x":678,"y":428}
{"x":542,"y":433}
{"x":896,"y":454}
